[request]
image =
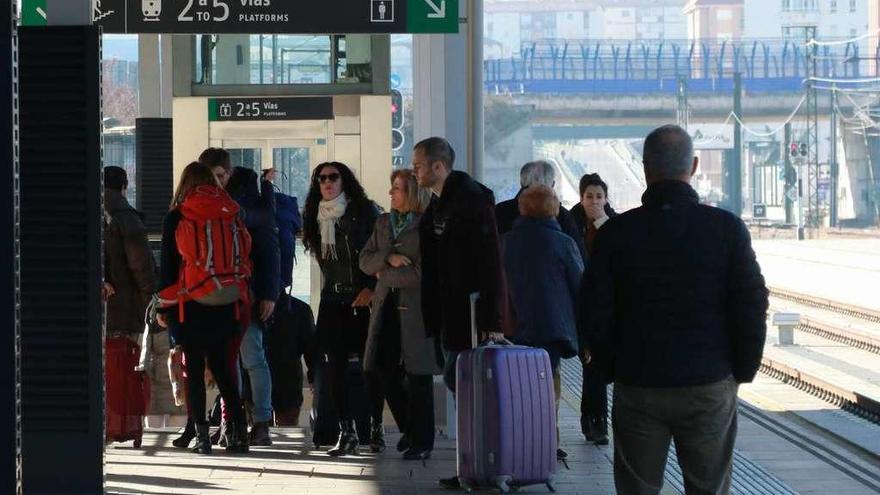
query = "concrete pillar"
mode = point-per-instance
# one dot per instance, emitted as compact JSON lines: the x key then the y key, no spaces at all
{"x":439,"y":109}
{"x":155,"y":72}
{"x":167,"y":79}
{"x":149,"y":76}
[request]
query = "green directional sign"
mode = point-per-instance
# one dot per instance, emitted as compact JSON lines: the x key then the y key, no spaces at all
{"x":432,"y":16}
{"x":33,"y":13}
{"x":264,"y":16}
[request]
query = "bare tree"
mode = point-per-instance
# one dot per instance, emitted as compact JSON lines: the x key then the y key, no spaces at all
{"x":120,"y":101}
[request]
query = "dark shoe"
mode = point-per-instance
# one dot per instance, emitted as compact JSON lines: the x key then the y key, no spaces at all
{"x":561,"y":455}
{"x":203,"y":440}
{"x":189,"y":432}
{"x":237,"y":438}
{"x":450,"y":483}
{"x":587,"y":428}
{"x":260,"y":435}
{"x":599,"y":431}
{"x":403,"y":444}
{"x":415,"y":454}
{"x":348,"y":440}
{"x":377,"y":436}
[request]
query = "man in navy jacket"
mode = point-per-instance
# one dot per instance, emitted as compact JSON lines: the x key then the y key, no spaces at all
{"x":676,"y":315}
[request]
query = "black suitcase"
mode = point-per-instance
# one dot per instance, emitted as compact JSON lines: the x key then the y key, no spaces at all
{"x":322,"y":418}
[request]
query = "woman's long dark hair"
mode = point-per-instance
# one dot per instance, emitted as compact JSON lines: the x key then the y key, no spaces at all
{"x":353,"y":190}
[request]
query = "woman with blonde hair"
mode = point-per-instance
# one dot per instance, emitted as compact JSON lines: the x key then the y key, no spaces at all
{"x":397,"y":348}
{"x":203,"y":287}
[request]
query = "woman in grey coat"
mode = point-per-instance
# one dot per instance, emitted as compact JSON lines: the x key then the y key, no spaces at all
{"x":397,"y":347}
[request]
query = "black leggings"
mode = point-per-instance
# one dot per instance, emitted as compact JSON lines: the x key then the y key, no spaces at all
{"x":206,"y":334}
{"x":410,"y":397}
{"x":342,"y":331}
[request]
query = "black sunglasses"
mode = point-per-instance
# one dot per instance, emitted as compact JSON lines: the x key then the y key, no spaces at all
{"x":322,"y":178}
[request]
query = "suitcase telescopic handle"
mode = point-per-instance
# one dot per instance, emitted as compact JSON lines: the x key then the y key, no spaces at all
{"x":475,"y":337}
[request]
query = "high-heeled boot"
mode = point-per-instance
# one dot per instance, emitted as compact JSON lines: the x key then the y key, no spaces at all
{"x":377,"y":436}
{"x":348,"y":440}
{"x":237,"y":437}
{"x":203,"y":439}
{"x":189,"y":432}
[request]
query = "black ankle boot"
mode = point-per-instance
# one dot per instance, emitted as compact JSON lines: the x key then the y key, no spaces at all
{"x":237,"y":438}
{"x":189,"y":432}
{"x":377,"y":436}
{"x":599,"y":430}
{"x":348,"y":440}
{"x":203,"y":440}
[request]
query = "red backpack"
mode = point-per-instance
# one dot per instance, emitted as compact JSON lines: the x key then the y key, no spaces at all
{"x":215,"y":250}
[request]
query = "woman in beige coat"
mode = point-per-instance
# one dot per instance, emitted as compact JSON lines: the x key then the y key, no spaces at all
{"x":397,"y":347}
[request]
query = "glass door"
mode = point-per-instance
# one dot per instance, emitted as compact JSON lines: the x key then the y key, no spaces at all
{"x":246,"y":153}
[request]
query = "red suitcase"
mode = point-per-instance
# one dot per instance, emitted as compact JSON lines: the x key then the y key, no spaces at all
{"x":127,"y":390}
{"x":506,"y":416}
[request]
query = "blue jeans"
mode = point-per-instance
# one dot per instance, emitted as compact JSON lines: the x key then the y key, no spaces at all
{"x":253,"y":360}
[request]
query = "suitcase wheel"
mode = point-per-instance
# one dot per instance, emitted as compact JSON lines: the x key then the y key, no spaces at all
{"x":502,"y":485}
{"x":551,"y":486}
{"x":137,"y":443}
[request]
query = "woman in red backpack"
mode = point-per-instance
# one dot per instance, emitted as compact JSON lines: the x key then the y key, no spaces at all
{"x":205,"y":268}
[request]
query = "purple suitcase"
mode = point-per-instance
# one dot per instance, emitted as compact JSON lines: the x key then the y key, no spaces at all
{"x":506,"y":417}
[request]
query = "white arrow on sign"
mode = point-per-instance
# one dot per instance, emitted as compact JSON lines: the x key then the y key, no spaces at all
{"x":439,"y":12}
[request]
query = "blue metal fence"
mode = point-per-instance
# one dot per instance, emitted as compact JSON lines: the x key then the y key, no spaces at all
{"x":607,"y":66}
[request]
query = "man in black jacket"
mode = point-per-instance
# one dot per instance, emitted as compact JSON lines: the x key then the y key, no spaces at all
{"x":538,"y":173}
{"x":460,"y":255}
{"x":675,"y":312}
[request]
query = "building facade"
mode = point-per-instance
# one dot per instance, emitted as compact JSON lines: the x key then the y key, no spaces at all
{"x":509,"y":24}
{"x":793,"y":19}
{"x":714,"y":19}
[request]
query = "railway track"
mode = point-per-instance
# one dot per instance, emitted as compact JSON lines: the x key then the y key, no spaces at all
{"x":844,"y":397}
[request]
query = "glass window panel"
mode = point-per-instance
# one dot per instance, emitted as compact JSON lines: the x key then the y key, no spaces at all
{"x":292,"y":167}
{"x":246,"y":157}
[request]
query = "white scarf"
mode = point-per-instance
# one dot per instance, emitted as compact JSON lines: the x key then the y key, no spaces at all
{"x":329,"y":213}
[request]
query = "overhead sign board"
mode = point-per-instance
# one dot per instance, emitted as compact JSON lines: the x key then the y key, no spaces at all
{"x":250,"y":109}
{"x":711,"y":136}
{"x":264,"y":16}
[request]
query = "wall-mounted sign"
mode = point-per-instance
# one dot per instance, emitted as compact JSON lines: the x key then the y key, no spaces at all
{"x":264,"y":16}
{"x":241,"y":109}
{"x":759,"y":211}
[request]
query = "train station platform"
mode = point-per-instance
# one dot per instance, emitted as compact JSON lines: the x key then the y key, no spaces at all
{"x":776,"y":454}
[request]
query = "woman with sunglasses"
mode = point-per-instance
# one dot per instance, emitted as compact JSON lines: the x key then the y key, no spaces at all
{"x":337,"y":222}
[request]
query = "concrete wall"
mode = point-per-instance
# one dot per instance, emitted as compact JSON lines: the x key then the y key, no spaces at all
{"x":191,"y":135}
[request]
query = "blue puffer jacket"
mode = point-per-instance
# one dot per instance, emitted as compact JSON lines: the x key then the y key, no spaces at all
{"x":257,"y":199}
{"x":544,"y":269}
{"x":289,"y":222}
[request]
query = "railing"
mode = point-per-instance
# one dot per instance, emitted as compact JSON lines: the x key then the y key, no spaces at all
{"x":659,"y":65}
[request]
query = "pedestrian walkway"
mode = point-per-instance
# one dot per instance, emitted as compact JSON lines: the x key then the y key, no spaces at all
{"x":774,"y":456}
{"x":291,"y":467}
